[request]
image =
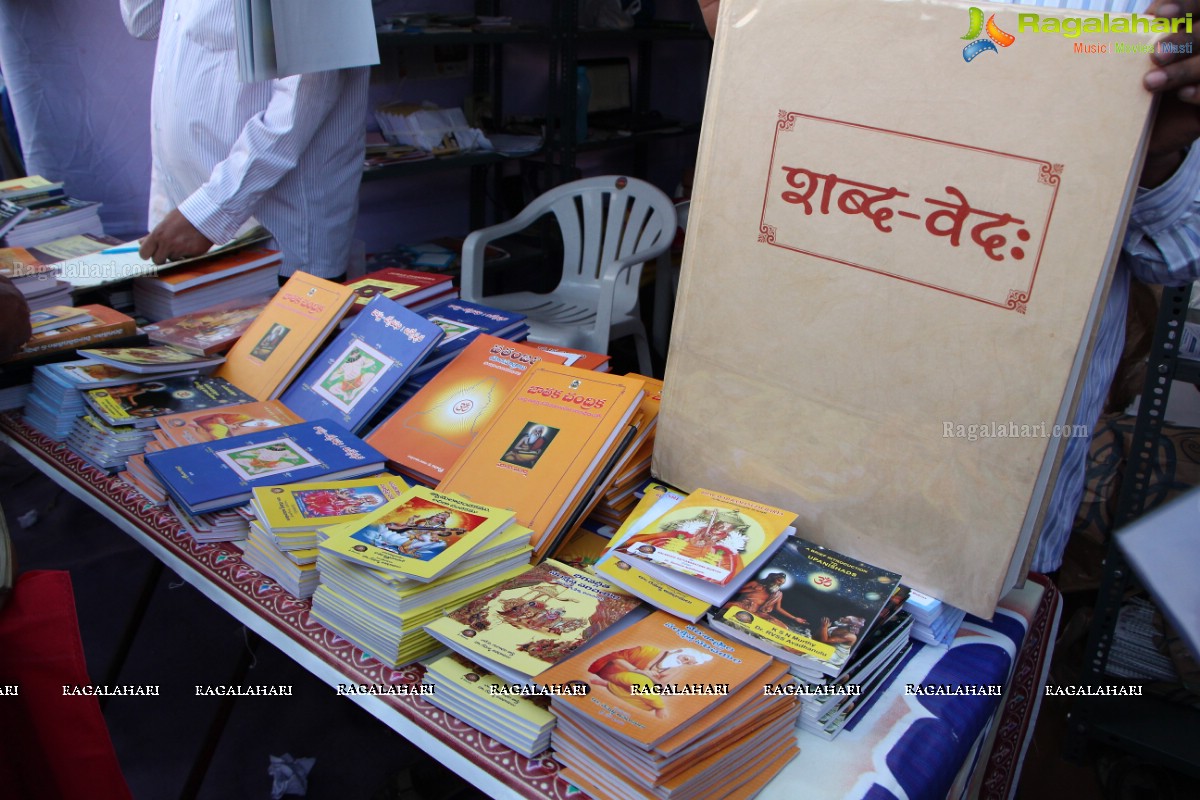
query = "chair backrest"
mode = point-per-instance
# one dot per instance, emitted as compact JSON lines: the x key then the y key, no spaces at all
{"x":606,"y":220}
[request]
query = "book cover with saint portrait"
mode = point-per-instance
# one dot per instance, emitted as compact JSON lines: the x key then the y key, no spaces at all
{"x":810,"y":605}
{"x":920,"y":255}
{"x":360,"y":369}
{"x":654,"y":677}
{"x":420,"y":534}
{"x":432,"y":429}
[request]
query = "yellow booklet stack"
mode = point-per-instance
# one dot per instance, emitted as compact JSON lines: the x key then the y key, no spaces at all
{"x":387,"y":574}
{"x":283,"y":538}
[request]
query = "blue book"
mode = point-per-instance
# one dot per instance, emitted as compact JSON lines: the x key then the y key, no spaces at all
{"x":364,"y":365}
{"x":221,"y":474}
{"x":463,"y":321}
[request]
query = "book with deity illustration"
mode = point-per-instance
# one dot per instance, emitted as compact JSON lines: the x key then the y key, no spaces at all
{"x":905,"y":259}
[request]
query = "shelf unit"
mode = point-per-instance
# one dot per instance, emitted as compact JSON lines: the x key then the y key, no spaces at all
{"x":561,"y":37}
{"x":1150,"y":727}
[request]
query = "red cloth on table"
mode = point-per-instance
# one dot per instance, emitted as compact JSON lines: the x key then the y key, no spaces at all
{"x":52,"y":747}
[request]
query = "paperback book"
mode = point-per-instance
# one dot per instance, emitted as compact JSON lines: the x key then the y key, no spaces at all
{"x":150,"y":360}
{"x":809,"y":606}
{"x":421,"y":534}
{"x":539,"y":452}
{"x":363,"y":365}
{"x":143,"y":403}
{"x":284,"y":337}
{"x":222,"y":474}
{"x":180,"y":430}
{"x":431,"y":430}
{"x":533,"y":621}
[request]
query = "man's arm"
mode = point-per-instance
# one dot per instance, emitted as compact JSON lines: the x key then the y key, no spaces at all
{"x":271,"y":144}
{"x":142,"y":17}
{"x":1163,"y":239}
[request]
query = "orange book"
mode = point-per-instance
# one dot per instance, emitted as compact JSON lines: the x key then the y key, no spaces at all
{"x":429,"y":432}
{"x":542,"y":447}
{"x":212,"y":269}
{"x":583,"y":359}
{"x":103,"y":324}
{"x":655,"y":677}
{"x":208,"y":425}
{"x":284,"y":337}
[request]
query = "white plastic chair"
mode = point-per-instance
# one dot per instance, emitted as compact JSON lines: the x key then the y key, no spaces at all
{"x":610,"y":226}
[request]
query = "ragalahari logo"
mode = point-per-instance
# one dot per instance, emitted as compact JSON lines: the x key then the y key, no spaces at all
{"x":984,"y":44}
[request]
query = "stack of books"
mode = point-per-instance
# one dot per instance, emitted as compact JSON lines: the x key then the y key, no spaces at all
{"x":32,"y":270}
{"x":106,"y":447}
{"x":425,"y":436}
{"x":222,"y":474}
{"x":384,"y":577}
{"x":553,"y":440}
{"x":934,"y":622}
{"x":56,"y":398}
{"x":687,"y":554}
{"x":410,"y":288}
{"x":364,"y":365}
{"x":249,"y":272}
{"x":832,"y":705}
{"x":612,"y":502}
{"x":120,"y":418}
{"x":49,"y":213}
{"x":835,"y":620}
{"x":103,"y":325}
{"x":526,"y":625}
{"x":282,"y":540}
{"x":141,"y":404}
{"x":197,"y":427}
{"x":211,"y":330}
{"x":229,"y":525}
{"x":664,"y":709}
{"x":520,"y":721}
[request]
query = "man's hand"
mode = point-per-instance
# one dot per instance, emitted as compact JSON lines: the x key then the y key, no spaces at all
{"x":172,"y":239}
{"x":709,"y":9}
{"x":1176,"y":77}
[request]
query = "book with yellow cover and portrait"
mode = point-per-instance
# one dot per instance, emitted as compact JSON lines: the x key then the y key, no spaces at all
{"x":532,"y":621}
{"x":307,"y":506}
{"x":420,"y":534}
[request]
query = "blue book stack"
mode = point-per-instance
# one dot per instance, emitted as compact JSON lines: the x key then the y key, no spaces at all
{"x":222,"y":474}
{"x":368,"y":361}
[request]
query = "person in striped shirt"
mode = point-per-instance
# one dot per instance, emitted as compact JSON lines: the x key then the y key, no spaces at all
{"x":1162,"y":242}
{"x":286,"y":153}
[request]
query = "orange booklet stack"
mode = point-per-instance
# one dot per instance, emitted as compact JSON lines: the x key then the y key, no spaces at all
{"x":664,"y":709}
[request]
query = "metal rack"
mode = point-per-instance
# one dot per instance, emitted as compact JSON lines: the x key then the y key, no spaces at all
{"x":1149,"y":727}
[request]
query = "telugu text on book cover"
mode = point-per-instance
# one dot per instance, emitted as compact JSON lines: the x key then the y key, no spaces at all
{"x":876,"y":270}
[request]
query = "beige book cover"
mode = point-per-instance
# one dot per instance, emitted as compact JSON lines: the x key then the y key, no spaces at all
{"x":903,"y":227}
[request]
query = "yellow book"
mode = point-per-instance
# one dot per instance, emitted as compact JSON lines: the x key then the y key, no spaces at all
{"x":530,"y":709}
{"x":527,"y":624}
{"x":709,"y":536}
{"x":627,"y":572}
{"x":306,"y":506}
{"x":421,"y":534}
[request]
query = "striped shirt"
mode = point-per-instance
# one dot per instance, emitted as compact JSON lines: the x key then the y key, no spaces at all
{"x":1162,"y":245}
{"x":287,"y":153}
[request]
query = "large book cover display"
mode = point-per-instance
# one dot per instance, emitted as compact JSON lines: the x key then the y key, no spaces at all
{"x":910,"y":261}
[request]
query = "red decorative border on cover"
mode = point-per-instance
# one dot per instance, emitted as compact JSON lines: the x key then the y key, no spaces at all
{"x":222,"y":564}
{"x":1016,"y":299}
